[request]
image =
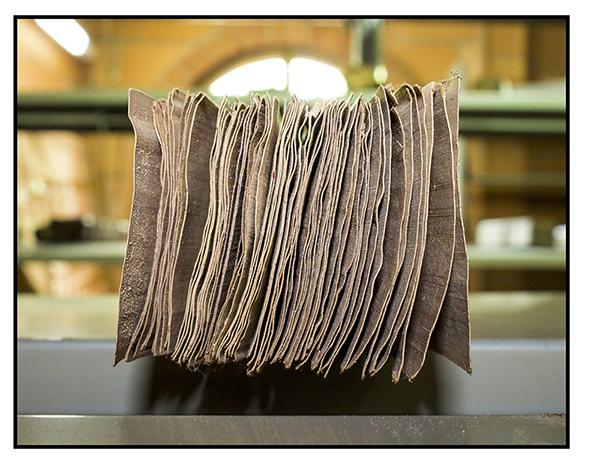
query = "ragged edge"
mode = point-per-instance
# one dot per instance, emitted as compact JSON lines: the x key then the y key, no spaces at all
{"x":412,"y":372}
{"x":144,"y":210}
{"x":406,"y":312}
{"x":204,"y":118}
{"x":448,"y":339}
{"x":411,"y":292}
{"x":381,"y":345}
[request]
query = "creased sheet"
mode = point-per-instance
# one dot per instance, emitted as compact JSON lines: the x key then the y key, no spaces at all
{"x":319,"y":235}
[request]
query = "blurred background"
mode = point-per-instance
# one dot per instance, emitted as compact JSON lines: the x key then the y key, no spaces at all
{"x":75,"y":151}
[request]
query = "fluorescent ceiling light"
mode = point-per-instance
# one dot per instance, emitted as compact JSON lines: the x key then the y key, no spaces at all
{"x":67,"y":33}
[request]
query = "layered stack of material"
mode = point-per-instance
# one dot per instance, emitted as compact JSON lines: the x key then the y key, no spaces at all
{"x":313,"y":236}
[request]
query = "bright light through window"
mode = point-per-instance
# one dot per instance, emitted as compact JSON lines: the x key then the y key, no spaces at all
{"x":308,"y":79}
{"x":67,"y":33}
{"x":269,"y":74}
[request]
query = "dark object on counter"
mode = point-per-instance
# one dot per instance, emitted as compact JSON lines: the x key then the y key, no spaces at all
{"x":86,"y":228}
{"x":58,"y":231}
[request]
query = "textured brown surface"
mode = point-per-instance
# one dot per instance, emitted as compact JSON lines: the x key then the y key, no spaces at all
{"x":142,"y":224}
{"x":350,"y":305}
{"x":330,"y":238}
{"x":270,"y":322}
{"x":395,"y":235}
{"x":439,"y":239}
{"x":308,"y":249}
{"x":201,"y":136}
{"x":452,"y":333}
{"x":312,"y":237}
{"x":379,"y":267}
{"x":401,"y":302}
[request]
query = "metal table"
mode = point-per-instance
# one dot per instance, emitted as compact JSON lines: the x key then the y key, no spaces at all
{"x":292,"y":430}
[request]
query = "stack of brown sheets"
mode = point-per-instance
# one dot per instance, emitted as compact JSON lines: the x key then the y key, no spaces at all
{"x":267,"y":232}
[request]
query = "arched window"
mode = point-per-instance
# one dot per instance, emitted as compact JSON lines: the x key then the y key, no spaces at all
{"x":306,"y":78}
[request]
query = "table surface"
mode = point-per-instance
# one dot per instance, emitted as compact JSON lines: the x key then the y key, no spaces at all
{"x":292,"y":430}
